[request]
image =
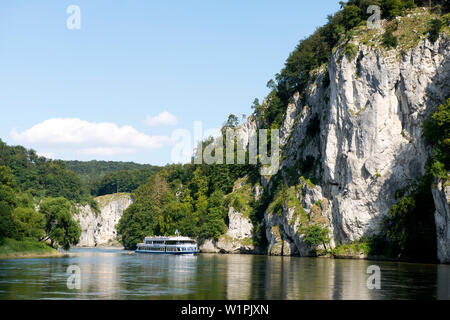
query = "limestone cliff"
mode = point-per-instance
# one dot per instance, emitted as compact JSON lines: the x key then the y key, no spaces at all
{"x":100,"y":228}
{"x":359,"y":127}
{"x":370,"y":142}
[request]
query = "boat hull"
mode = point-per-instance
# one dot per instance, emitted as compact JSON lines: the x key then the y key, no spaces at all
{"x":168,"y":252}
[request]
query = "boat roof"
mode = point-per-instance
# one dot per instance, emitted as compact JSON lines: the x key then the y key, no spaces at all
{"x":168,"y":238}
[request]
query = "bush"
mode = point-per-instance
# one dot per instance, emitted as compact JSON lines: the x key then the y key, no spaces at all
{"x":350,"y":51}
{"x":389,"y":40}
{"x":434,"y":30}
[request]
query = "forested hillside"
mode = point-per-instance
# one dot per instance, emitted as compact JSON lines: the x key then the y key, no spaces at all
{"x":38,"y":196}
{"x":91,"y":171}
{"x":189,"y":198}
{"x":39,"y":176}
{"x":107,"y":177}
{"x":20,"y":220}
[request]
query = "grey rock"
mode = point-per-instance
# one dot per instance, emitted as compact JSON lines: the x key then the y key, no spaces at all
{"x":100,"y":228}
{"x":441,"y":195}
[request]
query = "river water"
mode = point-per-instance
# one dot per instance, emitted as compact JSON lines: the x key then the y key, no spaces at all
{"x":117,"y":274}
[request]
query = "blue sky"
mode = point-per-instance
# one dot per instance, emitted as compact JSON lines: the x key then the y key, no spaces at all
{"x":96,"y":92}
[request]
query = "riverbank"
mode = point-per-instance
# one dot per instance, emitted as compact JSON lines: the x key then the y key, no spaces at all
{"x":353,"y":251}
{"x":106,"y":247}
{"x":27,"y":248}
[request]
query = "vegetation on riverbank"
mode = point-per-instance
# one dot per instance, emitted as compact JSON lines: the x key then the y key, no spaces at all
{"x":28,"y":247}
{"x":24,"y":219}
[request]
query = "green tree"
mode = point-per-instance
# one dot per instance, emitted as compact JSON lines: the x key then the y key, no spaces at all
{"x":214,"y":225}
{"x":60,"y":227}
{"x":7,"y":227}
{"x":8,"y":202}
{"x":398,"y":216}
{"x":351,"y":16}
{"x":437,"y":132}
{"x":29,"y":223}
{"x":232,"y":122}
{"x":144,"y":216}
{"x":25,"y":200}
{"x":316,"y":235}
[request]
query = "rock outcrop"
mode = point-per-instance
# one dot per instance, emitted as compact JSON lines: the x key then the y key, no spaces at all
{"x":371,"y":141}
{"x":240,"y":234}
{"x":100,"y":228}
{"x":237,"y":239}
{"x":441,"y":195}
{"x":358,"y":131}
{"x":283,"y":228}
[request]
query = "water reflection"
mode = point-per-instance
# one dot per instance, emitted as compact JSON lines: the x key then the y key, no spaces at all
{"x":98,"y":274}
{"x":443,"y":281}
{"x":350,"y":280}
{"x":239,"y":277}
{"x":115,"y":274}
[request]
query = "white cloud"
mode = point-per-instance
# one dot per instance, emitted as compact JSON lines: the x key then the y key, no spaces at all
{"x":93,"y":138}
{"x":106,"y":151}
{"x":164,"y":118}
{"x":48,"y":155}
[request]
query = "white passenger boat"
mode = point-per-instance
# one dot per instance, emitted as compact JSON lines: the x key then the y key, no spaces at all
{"x":168,"y":245}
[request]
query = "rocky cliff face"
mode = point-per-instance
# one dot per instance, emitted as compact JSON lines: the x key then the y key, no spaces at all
{"x":100,"y":228}
{"x":441,"y":195}
{"x":370,"y":142}
{"x":237,"y":239}
{"x":283,"y":229}
{"x":359,"y":126}
{"x":240,"y":233}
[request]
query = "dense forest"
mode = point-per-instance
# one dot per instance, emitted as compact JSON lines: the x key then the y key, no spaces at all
{"x":106,"y":177}
{"x":39,"y":176}
{"x":38,"y":196}
{"x":21,"y":220}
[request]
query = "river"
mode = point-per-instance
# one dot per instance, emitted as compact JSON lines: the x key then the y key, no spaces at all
{"x":119,"y":274}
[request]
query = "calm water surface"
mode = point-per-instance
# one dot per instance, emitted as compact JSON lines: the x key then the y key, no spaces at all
{"x":115,"y":274}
